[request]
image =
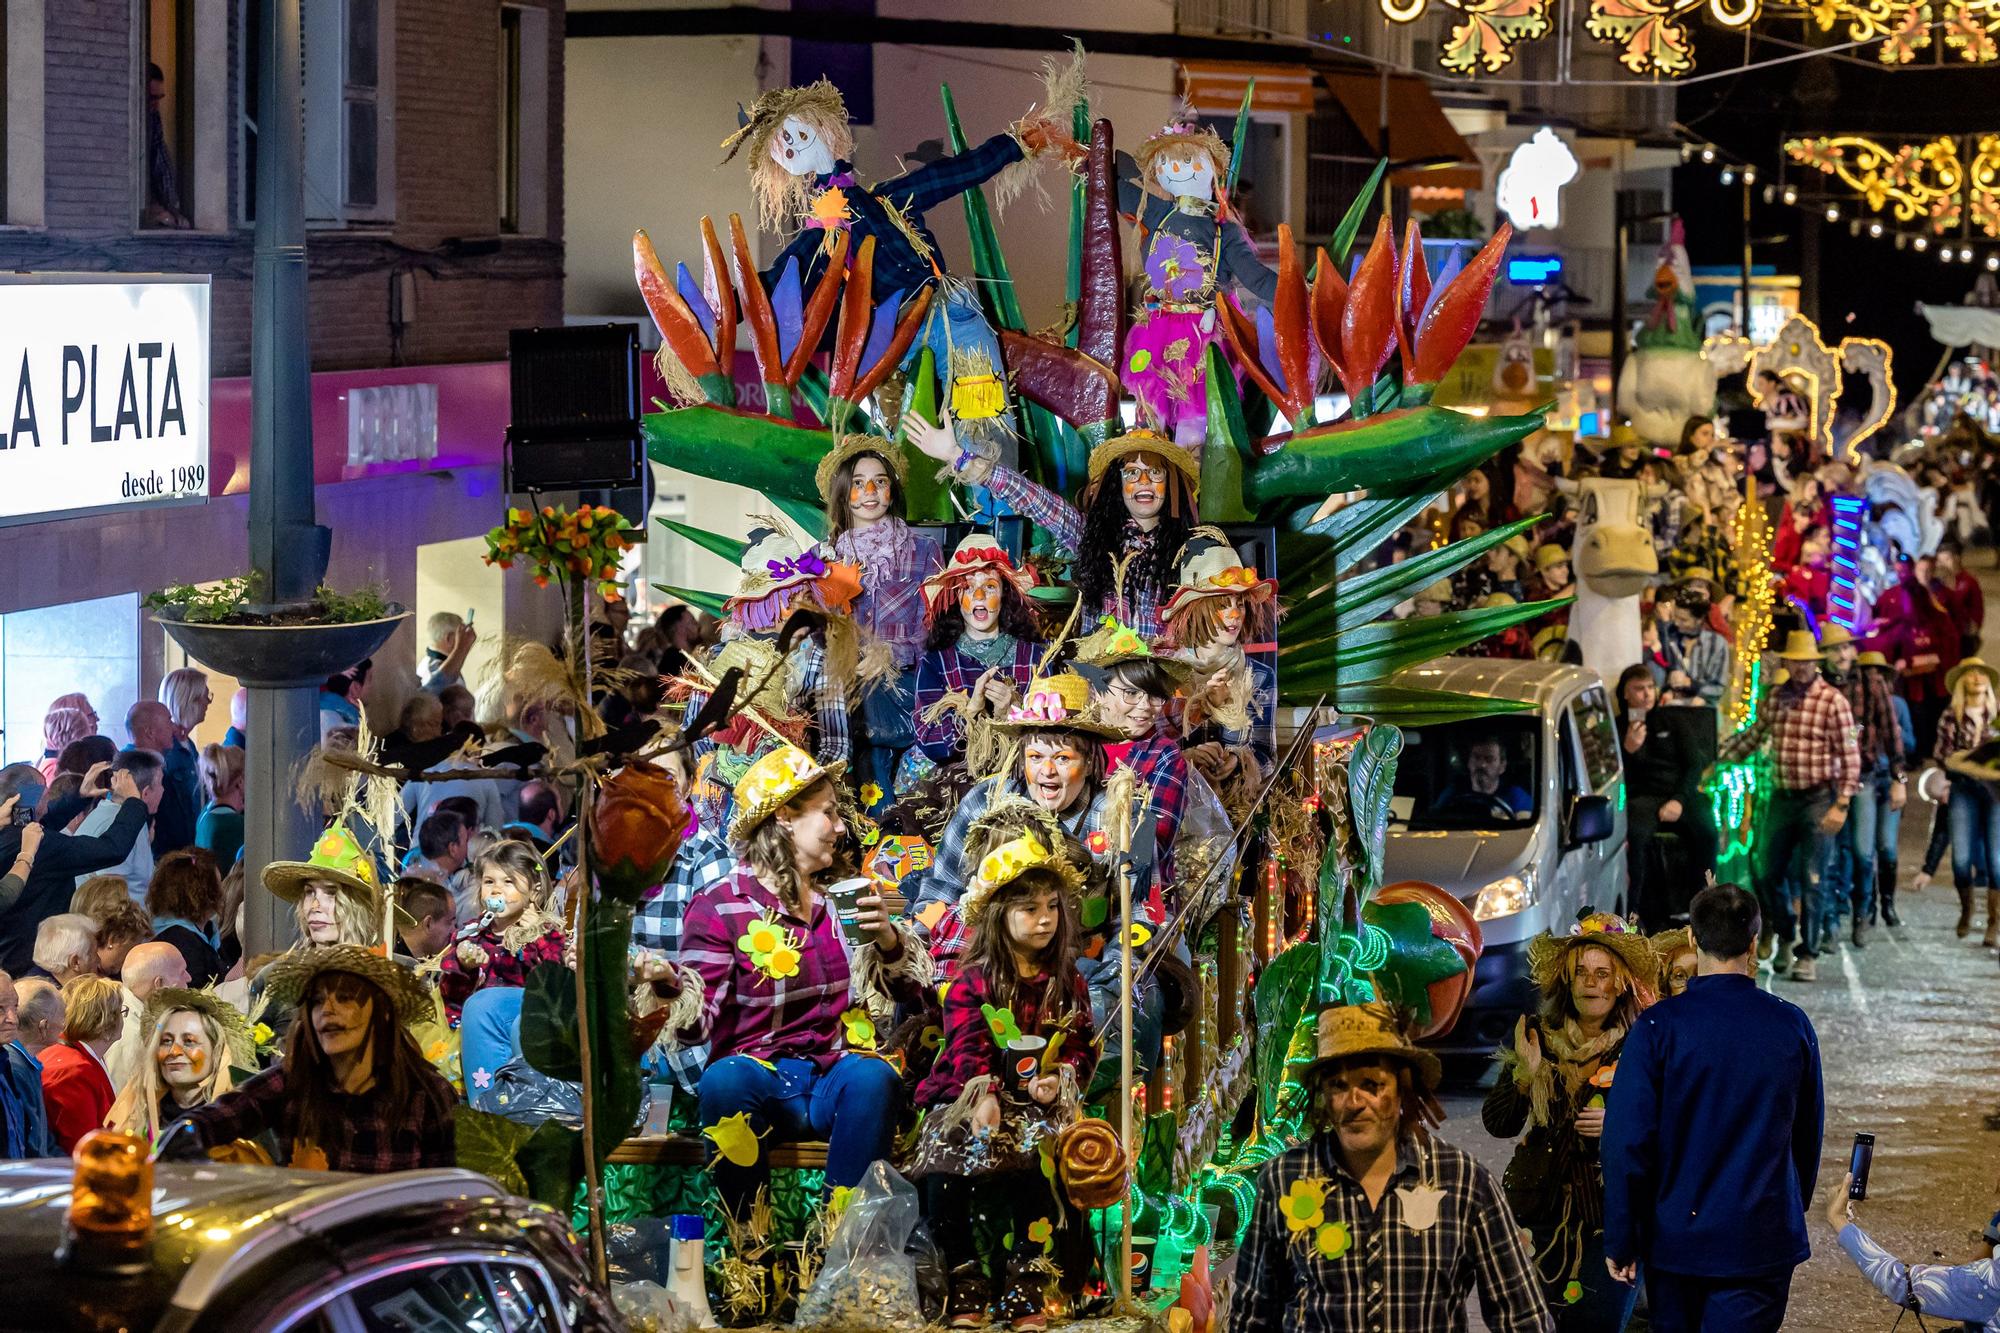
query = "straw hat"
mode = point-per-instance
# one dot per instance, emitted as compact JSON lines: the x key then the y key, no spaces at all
{"x":1800,"y":646}
{"x":1011,"y":860}
{"x":1437,"y":592}
{"x":775,"y":560}
{"x":337,"y":859}
{"x":1348,"y":1030}
{"x":1493,"y":600}
{"x":1835,"y":635}
{"x":1519,"y":546}
{"x":1114,"y":643}
{"x":1871,"y":658}
{"x":853,"y":446}
{"x":241,"y":1046}
{"x":771,"y":783}
{"x":1208,"y":566}
{"x":289,"y":978}
{"x":1548,"y":555}
{"x":1145,"y":442}
{"x":975,"y":552}
{"x":1953,"y":676}
{"x":1597,"y":929}
{"x":1059,"y":703}
{"x":1693,"y":574}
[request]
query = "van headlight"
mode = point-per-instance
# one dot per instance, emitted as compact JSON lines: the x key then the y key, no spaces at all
{"x":1504,"y":897}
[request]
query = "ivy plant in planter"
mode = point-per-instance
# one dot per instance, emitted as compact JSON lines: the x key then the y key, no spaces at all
{"x":266,"y":645}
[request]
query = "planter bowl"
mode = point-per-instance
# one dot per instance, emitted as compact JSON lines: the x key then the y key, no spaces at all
{"x":277,"y":657}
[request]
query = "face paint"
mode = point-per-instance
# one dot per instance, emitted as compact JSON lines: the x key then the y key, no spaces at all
{"x":979,"y":603}
{"x":1185,"y":175}
{"x":869,"y":493}
{"x":1143,"y":481}
{"x":798,"y":148}
{"x":1229,"y":620}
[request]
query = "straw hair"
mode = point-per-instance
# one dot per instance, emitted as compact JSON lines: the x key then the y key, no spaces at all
{"x":1183,"y":137}
{"x":781,"y":196}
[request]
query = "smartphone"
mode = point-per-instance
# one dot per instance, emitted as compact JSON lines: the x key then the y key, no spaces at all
{"x":469,"y":613}
{"x":1858,"y":1162}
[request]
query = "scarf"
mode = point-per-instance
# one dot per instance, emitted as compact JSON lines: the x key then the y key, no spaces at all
{"x":993,"y":652}
{"x":1565,"y":1050}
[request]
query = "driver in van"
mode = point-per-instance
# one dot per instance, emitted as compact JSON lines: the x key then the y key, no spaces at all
{"x":1486,"y":778}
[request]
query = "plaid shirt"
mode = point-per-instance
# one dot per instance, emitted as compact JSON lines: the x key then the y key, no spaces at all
{"x":1160,"y":765}
{"x":503,"y":966}
{"x":949,"y":872}
{"x":1064,"y":523}
{"x":1392,"y":1277}
{"x":1811,"y":738}
{"x":747,"y":1011}
{"x":970,"y":1048}
{"x":703,"y":861}
{"x":947,"y":671}
{"x":379,"y":1137}
{"x":1704,"y":655}
{"x":811,"y":692}
{"x":1958,"y":732}
{"x":894,"y":562}
{"x":1868,"y":697}
{"x":899,"y":265}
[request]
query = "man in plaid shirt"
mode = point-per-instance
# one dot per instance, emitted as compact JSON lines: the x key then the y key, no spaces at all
{"x":1809,"y":729}
{"x":703,"y":861}
{"x":1374,"y":1223}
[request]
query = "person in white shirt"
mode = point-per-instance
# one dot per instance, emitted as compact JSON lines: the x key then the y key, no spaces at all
{"x":148,"y":772}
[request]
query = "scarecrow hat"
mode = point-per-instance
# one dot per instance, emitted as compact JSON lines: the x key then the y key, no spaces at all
{"x":976,"y":551}
{"x":1493,"y":600}
{"x":1114,"y":643}
{"x":850,"y":447}
{"x":240,"y":1047}
{"x":337,"y":859}
{"x":1348,"y":1030}
{"x":1145,"y":442}
{"x":1029,"y":850}
{"x":1548,"y":555}
{"x":771,"y":783}
{"x":1800,"y":646}
{"x":1519,"y":546}
{"x":1059,"y":703}
{"x":289,"y":978}
{"x":1957,"y":673}
{"x":1208,"y":566}
{"x":1667,"y":943}
{"x":1871,"y":658}
{"x":1835,"y":635}
{"x":774,"y":560}
{"x":1596,"y":930}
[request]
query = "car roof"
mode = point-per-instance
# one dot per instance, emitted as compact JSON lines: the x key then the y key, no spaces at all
{"x":1500,"y":678}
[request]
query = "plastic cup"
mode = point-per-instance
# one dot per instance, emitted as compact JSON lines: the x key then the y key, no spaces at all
{"x":1143,"y":1249}
{"x":1024,"y":1061}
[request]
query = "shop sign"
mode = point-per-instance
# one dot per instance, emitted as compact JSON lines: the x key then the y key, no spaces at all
{"x":1529,"y":190}
{"x":103,"y":392}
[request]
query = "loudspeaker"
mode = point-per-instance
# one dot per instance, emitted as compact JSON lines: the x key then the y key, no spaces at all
{"x":575,"y":408}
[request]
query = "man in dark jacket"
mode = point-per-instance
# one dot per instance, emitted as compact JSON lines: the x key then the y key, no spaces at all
{"x":1712,"y":1137}
{"x":151,"y":725}
{"x":51,"y":880}
{"x":24,"y":1120}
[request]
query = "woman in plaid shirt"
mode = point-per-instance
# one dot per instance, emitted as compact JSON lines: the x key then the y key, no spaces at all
{"x":983,"y":640}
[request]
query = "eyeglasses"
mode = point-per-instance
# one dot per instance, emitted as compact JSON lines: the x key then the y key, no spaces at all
{"x":1128,"y":696}
{"x":1135,"y":473}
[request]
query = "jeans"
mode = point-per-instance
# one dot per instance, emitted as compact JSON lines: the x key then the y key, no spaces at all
{"x":1975,"y":820}
{"x":1604,"y":1304}
{"x":1872,"y":829}
{"x":852,"y":1105}
{"x":1792,"y":849}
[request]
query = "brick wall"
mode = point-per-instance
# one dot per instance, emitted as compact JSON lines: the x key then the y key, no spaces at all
{"x":446,"y":160}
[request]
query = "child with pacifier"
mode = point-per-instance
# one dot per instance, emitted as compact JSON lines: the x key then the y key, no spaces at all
{"x":513,"y":932}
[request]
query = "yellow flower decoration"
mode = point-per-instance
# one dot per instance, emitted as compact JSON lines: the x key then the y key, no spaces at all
{"x":1041,"y":1232}
{"x":762,"y":939}
{"x":783,"y":963}
{"x":871,"y":793}
{"x":860,"y":1029}
{"x":261,"y":1034}
{"x":1304,"y":1204}
{"x":1332,"y":1240}
{"x":931,"y":1037}
{"x":842,"y":1196}
{"x":1140,"y":936}
{"x":1006,"y":863}
{"x":735,"y":1141}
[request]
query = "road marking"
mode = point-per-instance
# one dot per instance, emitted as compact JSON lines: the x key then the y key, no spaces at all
{"x":1855,"y":990}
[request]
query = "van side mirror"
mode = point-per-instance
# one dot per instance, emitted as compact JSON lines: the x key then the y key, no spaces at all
{"x":1589,"y":819}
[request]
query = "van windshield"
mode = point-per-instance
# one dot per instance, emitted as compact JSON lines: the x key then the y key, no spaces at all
{"x":1483,"y":773}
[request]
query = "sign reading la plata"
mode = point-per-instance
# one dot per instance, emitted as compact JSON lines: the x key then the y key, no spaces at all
{"x":103,"y":392}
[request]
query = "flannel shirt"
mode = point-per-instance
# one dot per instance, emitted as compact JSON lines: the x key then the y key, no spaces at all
{"x":1702,"y":547}
{"x":945,"y":881}
{"x":894,"y":563}
{"x":1958,"y":732}
{"x":970,"y":1049}
{"x":1705,"y":656}
{"x":1391,"y":1277}
{"x":900,"y":266}
{"x":948,"y":670}
{"x":503,"y":966}
{"x":162,"y":183}
{"x":1874,"y":707}
{"x":1160,"y":765}
{"x":409,"y":1136}
{"x":747,"y":1011}
{"x":1064,"y":523}
{"x":1811,"y":738}
{"x":703,"y":861}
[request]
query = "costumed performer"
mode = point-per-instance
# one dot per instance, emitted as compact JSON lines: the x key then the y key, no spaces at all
{"x":1218,"y":606}
{"x":982,"y":641}
{"x":514,"y":932}
{"x":195,"y":1039}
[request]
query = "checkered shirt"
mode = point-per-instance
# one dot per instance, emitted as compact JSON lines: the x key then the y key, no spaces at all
{"x":704,"y":860}
{"x":970,"y":1049}
{"x":948,"y":671}
{"x":378,"y":1138}
{"x":1064,"y":523}
{"x":1874,"y":706}
{"x":503,"y":966}
{"x":1958,"y":732}
{"x":1159,"y":764}
{"x":894,"y":562}
{"x":1811,"y":738}
{"x":1390,"y":1276}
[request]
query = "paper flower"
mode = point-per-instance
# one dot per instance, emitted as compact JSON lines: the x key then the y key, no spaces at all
{"x":871,"y":793}
{"x":1573,"y":1292}
{"x":1001,"y":1023}
{"x":763,"y":936}
{"x":1174,"y":267}
{"x":783,"y":963}
{"x":860,"y":1029}
{"x":1304,"y":1204}
{"x":735,"y":1140}
{"x":1331,"y":1240}
{"x":1041,"y":1232}
{"x":482,"y":1078}
{"x":771,"y":948}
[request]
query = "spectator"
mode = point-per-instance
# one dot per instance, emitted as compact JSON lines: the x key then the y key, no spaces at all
{"x":231,"y":928}
{"x":1663,"y":790}
{"x":147,"y":968}
{"x":541,"y":816}
{"x":238,"y":734}
{"x":1692,"y":657}
{"x":1420,"y":1222}
{"x":87,"y":762}
{"x":1883,"y":764}
{"x":459,"y":705}
{"x":433,"y":920}
{"x":75,"y":1084}
{"x":100,"y":896}
{"x":1960,"y":594}
{"x":1969,"y":1292}
{"x":24,"y":1127}
{"x":422,"y":799}
{"x":41,"y":1019}
{"x":1712,"y":1137}
{"x":185,"y":898}
{"x":441,"y":850}
{"x":65,"y":948}
{"x":451,"y":638}
{"x":422,"y":720}
{"x":147,"y":775}
{"x":163,"y":191}
{"x":340,"y":697}
{"x":57,"y":861}
{"x":186,"y":695}
{"x":69,"y":719}
{"x":220,"y":828}
{"x":124,"y":928}
{"x":1915,"y":632}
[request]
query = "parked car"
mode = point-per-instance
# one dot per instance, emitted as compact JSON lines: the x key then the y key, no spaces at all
{"x":1520,"y":815}
{"x":259,"y":1249}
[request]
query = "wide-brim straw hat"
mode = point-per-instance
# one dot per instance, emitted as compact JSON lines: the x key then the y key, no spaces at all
{"x":854,"y":446}
{"x":771,"y":783}
{"x":1871,"y":658}
{"x":1800,"y":646}
{"x":1548,"y":555}
{"x":1957,"y":673}
{"x":290,"y":976}
{"x":1059,"y":703}
{"x":775,"y":560}
{"x":1011,"y":860}
{"x":1834,"y":635}
{"x":1208,"y":566}
{"x":1348,"y":1030}
{"x":1114,"y":644}
{"x":1180,"y":134}
{"x":976,"y":552}
{"x":336,"y":859}
{"x":1601,"y":930}
{"x":236,"y":1036}
{"x":1145,"y":442}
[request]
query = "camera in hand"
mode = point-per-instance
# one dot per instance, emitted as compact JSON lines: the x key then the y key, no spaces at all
{"x":1858,"y":1162}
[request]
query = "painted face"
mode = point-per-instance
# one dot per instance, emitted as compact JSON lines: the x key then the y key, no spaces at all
{"x":1185,"y":173}
{"x":503,"y":893}
{"x":868,"y":492}
{"x":1680,"y":969}
{"x":1032,"y":924}
{"x":1229,"y":620}
{"x":1055,"y":772}
{"x":1367,"y":1105}
{"x":185,"y":1057}
{"x":1143,"y":480}
{"x":816,"y":828}
{"x":322,"y":919}
{"x":340,"y":1019}
{"x":798,"y":148}
{"x":979,"y":603}
{"x":1595,"y":987}
{"x":1130,"y":708}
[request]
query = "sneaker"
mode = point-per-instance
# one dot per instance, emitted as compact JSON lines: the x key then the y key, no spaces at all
{"x":1804,"y":969}
{"x":1764,"y":946}
{"x":1783,"y":962}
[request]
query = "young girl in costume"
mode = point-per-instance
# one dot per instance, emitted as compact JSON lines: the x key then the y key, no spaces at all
{"x":983,"y":642}
{"x":1173,"y":189}
{"x":1219,"y":605}
{"x":861,"y":481}
{"x":513,"y":933}
{"x":1138,"y":503}
{"x":1016,"y":1052}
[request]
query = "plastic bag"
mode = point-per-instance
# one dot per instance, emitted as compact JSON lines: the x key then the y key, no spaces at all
{"x":868,"y":1278}
{"x":647,"y":1308}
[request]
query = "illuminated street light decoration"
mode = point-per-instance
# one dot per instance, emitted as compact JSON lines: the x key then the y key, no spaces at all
{"x":1529,"y":190}
{"x":1929,"y":182}
{"x":1799,"y":354}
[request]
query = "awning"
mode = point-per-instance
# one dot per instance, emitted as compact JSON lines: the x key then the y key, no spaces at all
{"x":1418,"y":130}
{"x":1215,"y":87}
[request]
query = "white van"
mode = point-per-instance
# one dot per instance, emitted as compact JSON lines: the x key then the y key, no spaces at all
{"x":1519,"y":815}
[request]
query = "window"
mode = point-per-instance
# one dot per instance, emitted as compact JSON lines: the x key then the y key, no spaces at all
{"x":90,"y":646}
{"x":21,"y":104}
{"x":249,"y":89}
{"x":180,"y":104}
{"x":462,"y":1297}
{"x":350,"y":122}
{"x":523,"y":87}
{"x":1599,"y":734}
{"x":1478,"y":774}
